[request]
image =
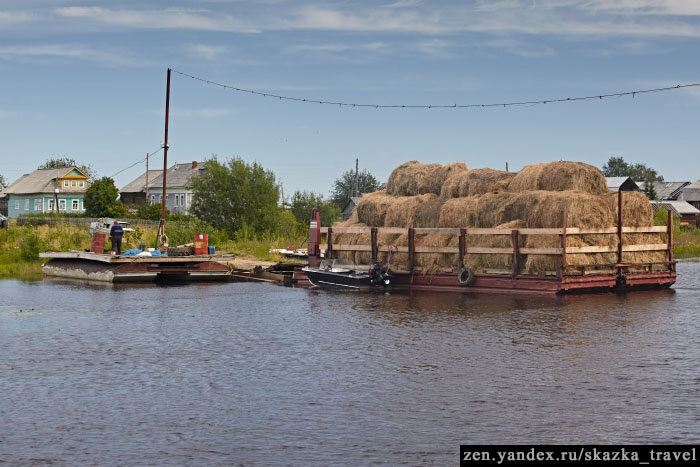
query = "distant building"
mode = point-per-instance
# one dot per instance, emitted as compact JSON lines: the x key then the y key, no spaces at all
{"x":349,"y":206}
{"x":691,"y":194}
{"x":178,"y":197}
{"x":690,"y":215}
{"x":135,"y":191}
{"x":621,"y":184}
{"x":666,"y":190}
{"x":46,"y":190}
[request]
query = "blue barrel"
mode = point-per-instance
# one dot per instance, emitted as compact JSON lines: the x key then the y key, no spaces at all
{"x":212,"y":250}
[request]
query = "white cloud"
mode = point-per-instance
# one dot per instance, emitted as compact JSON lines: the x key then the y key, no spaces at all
{"x":157,"y":19}
{"x":207,"y":52}
{"x":66,"y":51}
{"x":331,"y":48}
{"x":522,"y":48}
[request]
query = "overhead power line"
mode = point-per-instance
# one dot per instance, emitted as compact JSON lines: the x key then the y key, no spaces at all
{"x":136,"y":163}
{"x":440,"y":106}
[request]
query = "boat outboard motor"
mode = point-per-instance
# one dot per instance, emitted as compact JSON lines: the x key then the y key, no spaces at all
{"x":385,"y":274}
{"x":375,"y":274}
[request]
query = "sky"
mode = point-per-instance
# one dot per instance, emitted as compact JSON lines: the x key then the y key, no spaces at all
{"x":87,"y":79}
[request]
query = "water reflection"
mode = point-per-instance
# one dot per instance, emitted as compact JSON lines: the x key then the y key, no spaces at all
{"x":256,"y":373}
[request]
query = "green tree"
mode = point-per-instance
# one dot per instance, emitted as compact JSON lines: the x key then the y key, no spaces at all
{"x":649,"y":189}
{"x":101,"y":199}
{"x":344,"y":186}
{"x":235,"y":194}
{"x":3,"y":182}
{"x":151,"y":211}
{"x":303,"y":203}
{"x":66,"y":162}
{"x":618,"y":167}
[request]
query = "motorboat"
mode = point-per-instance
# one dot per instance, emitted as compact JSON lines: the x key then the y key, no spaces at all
{"x":340,"y":274}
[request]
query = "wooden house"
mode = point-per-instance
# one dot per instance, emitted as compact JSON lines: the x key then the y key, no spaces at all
{"x":47,"y":190}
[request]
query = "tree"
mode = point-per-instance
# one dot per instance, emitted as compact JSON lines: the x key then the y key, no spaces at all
{"x":649,"y":189}
{"x":235,"y":195}
{"x":151,"y":211}
{"x":101,"y":199}
{"x":303,"y":203}
{"x":3,"y":182}
{"x":617,"y":167}
{"x":344,"y":187}
{"x":66,"y":162}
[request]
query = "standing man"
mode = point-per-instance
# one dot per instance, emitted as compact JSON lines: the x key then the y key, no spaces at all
{"x":116,"y":233}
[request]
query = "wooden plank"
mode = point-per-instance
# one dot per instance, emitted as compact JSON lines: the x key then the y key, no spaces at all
{"x":355,"y":230}
{"x":395,"y":249}
{"x":437,"y":249}
{"x":445,"y":231}
{"x":392,"y":230}
{"x":577,"y":231}
{"x":541,"y":251}
{"x":324,"y":230}
{"x":573,"y":250}
{"x":352,"y":247}
{"x":484,"y":250}
{"x":489,"y":232}
{"x":648,"y":247}
{"x":540,"y":231}
{"x":650,"y":229}
{"x":411,"y":249}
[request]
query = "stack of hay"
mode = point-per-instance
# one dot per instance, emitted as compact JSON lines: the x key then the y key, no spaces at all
{"x":434,"y":195}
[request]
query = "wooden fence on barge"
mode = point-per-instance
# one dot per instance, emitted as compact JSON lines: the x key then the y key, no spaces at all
{"x":515,"y":250}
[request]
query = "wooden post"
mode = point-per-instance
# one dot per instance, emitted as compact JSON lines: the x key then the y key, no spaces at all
{"x":669,"y":239}
{"x":411,"y":249}
{"x":373,"y":236}
{"x":329,"y":241}
{"x":515,"y":234}
{"x":619,"y":227}
{"x":462,"y":246}
{"x":564,"y":223}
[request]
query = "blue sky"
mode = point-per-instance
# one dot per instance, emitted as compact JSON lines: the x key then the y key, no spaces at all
{"x":86,"y":79}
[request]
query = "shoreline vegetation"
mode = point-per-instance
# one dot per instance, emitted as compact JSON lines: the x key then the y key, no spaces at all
{"x":20,"y":245}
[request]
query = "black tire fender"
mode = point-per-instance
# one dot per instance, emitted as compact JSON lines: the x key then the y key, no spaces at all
{"x":465,"y":276}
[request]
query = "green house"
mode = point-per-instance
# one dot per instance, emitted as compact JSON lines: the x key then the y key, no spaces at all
{"x":46,"y":190}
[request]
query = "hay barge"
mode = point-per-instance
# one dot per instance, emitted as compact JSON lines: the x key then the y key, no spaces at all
{"x":550,"y":228}
{"x":109,"y":268}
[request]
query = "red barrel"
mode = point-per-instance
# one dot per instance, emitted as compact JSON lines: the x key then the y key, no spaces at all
{"x":201,"y":244}
{"x":98,"y":243}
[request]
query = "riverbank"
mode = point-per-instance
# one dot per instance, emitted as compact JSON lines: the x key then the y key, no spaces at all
{"x":20,"y":245}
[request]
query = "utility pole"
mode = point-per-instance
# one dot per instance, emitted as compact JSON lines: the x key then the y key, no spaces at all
{"x":506,"y":166}
{"x":161,"y":227}
{"x":357,"y":177}
{"x":146,"y":179}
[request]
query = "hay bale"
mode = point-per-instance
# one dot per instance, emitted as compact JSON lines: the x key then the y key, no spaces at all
{"x":373,"y":207}
{"x":413,"y":178}
{"x":559,"y":176}
{"x":475,"y":182}
{"x":402,"y":210}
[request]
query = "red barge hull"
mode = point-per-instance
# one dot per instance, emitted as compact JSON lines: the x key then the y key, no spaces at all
{"x":503,"y":284}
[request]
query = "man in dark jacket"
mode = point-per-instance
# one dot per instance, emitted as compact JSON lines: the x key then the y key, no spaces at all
{"x":116,"y":232}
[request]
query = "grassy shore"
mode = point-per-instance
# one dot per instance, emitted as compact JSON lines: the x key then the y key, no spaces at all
{"x":20,"y":245}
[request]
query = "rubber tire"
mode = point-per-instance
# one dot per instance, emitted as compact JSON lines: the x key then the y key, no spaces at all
{"x":466,"y":276}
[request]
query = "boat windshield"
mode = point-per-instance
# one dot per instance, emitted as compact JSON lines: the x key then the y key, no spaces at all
{"x":336,"y":265}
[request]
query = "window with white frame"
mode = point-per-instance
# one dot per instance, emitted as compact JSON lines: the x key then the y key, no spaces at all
{"x":160,"y":199}
{"x":16,"y":205}
{"x":65,"y":183}
{"x":182,"y":200}
{"x":61,"y":204}
{"x":75,"y":205}
{"x":74,"y":184}
{"x":37,"y":204}
{"x":50,"y":205}
{"x":81,"y":183}
{"x":26,"y":205}
{"x":153,"y":199}
{"x":177,"y":201}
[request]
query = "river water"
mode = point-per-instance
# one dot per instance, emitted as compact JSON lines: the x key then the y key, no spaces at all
{"x":261,"y":374}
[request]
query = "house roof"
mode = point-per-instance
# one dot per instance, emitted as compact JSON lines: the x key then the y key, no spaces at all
{"x":39,"y":181}
{"x":139,"y":184}
{"x":678,"y":207}
{"x":614,"y":183}
{"x":666,"y":190}
{"x":178,"y":175}
{"x":691,"y":192}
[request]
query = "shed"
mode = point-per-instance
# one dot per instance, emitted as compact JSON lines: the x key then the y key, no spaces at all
{"x":135,"y":191}
{"x":349,"y":206}
{"x":690,"y":215}
{"x":621,"y":184}
{"x":691,"y":194}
